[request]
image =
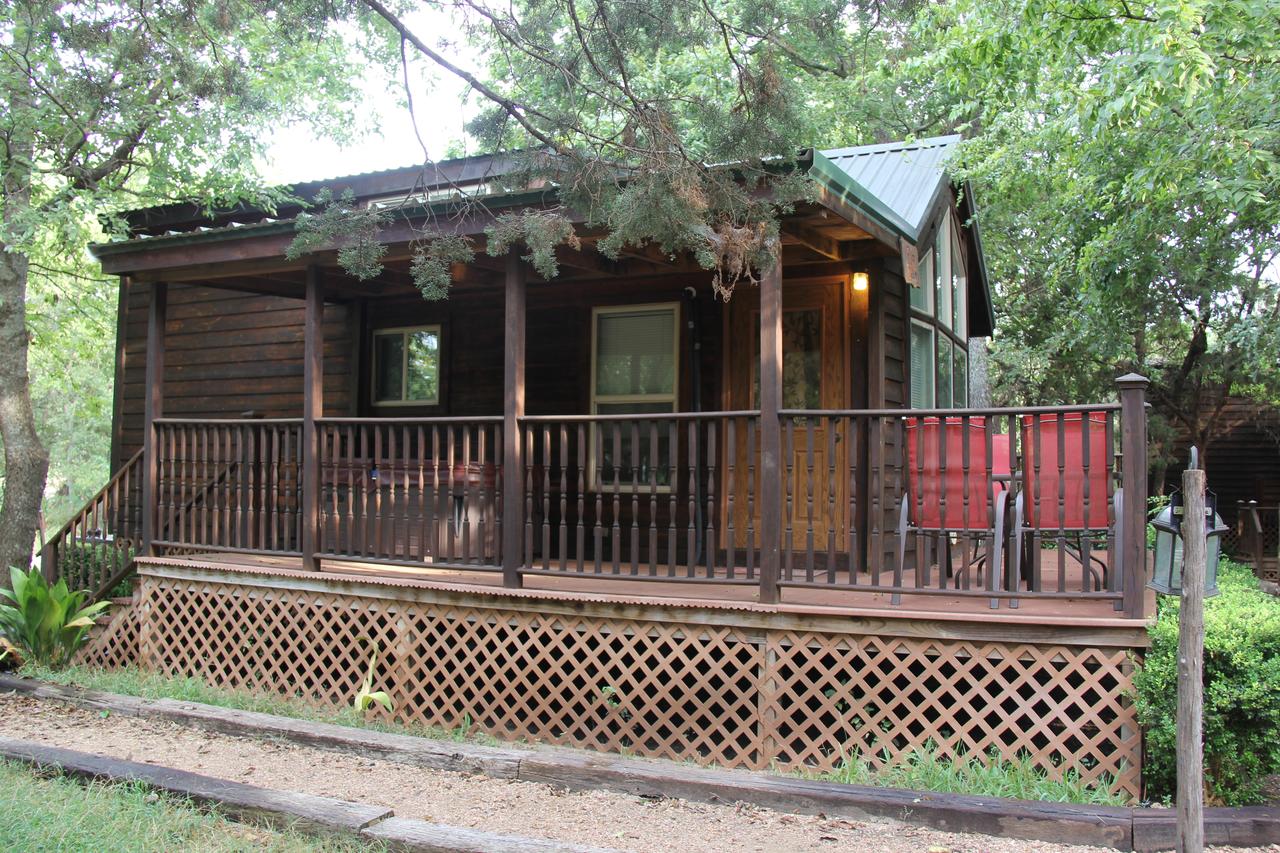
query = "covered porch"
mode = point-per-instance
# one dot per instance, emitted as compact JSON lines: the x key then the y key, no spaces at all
{"x":1018,"y":511}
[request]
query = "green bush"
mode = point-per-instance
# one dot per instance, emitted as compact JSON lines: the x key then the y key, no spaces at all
{"x":88,"y":565}
{"x":47,"y":624}
{"x":1241,"y":691}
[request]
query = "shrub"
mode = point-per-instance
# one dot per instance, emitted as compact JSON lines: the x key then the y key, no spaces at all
{"x":1241,"y":691}
{"x":47,"y":624}
{"x":87,"y":565}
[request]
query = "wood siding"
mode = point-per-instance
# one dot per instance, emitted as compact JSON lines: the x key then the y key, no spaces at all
{"x":227,"y":353}
{"x":558,"y":345}
{"x":230,"y":352}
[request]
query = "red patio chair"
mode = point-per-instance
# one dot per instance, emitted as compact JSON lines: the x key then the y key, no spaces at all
{"x":1064,"y":492}
{"x":938,"y":501}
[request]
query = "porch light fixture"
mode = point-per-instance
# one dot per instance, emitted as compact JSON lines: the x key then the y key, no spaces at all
{"x":861,"y":281}
{"x":1167,"y":577}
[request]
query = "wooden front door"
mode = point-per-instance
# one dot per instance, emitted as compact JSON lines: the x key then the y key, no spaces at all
{"x":815,"y":375}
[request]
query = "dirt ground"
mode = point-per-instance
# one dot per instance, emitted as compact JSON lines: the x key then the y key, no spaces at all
{"x":522,"y":808}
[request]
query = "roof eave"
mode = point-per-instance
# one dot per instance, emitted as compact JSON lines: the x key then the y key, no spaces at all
{"x":846,"y":189}
{"x":442,"y":209}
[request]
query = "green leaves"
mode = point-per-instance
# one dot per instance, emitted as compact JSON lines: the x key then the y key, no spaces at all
{"x":46,"y":624}
{"x":366,"y":697}
{"x":343,"y":224}
{"x":1125,"y":158}
{"x":1242,"y":690}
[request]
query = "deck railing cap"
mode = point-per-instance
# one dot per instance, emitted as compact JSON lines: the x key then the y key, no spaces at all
{"x":1133,"y":380}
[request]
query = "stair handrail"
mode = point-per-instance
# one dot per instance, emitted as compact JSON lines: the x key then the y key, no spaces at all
{"x":51,"y":552}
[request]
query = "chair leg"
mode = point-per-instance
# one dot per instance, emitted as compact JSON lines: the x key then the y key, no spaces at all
{"x":898,"y":566}
{"x":1015,"y":573}
{"x":997,"y":548}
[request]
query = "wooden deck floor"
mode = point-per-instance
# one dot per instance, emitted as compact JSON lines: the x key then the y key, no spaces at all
{"x":837,"y":600}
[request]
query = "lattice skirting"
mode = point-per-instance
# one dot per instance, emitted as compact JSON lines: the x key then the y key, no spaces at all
{"x":113,"y":643}
{"x":752,"y":697}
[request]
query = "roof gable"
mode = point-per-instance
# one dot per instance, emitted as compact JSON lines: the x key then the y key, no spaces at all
{"x":902,"y":178}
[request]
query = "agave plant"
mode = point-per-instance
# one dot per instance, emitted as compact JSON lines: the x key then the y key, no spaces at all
{"x":47,"y":624}
{"x":367,"y":695}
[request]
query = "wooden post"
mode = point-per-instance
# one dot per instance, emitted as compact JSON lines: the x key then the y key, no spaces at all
{"x":770,"y":497}
{"x":513,"y":410}
{"x":1256,"y":538}
{"x":153,"y":407}
{"x":312,"y":408}
{"x":1133,"y":449}
{"x":1190,"y":755}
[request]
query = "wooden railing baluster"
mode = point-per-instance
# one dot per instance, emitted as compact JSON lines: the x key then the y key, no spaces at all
{"x":710,"y":519}
{"x":564,"y":498}
{"x":691,"y":531}
{"x":789,"y":504}
{"x":673,"y":487}
{"x":546,"y":497}
{"x":580,"y":528}
{"x":751,"y":498}
{"x":810,"y":473}
{"x":730,"y":492}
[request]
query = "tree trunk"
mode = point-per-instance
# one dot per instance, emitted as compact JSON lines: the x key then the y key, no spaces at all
{"x":26,"y":462}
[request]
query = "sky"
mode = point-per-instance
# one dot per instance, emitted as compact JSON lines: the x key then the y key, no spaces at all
{"x":295,"y":154}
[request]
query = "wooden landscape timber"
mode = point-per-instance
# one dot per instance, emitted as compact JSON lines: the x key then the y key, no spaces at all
{"x":285,"y":809}
{"x":1120,"y":828}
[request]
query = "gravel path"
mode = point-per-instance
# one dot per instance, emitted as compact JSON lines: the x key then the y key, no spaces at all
{"x":522,"y":808}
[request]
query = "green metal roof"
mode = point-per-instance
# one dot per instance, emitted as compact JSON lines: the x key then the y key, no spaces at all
{"x":896,"y":183}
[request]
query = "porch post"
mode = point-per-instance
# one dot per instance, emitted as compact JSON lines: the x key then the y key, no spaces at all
{"x":770,"y":497}
{"x":513,"y":410}
{"x":153,"y":407}
{"x":1133,"y":449}
{"x":312,"y":408}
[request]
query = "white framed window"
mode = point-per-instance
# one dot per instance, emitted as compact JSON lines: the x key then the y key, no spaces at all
{"x":942,"y":277}
{"x":635,"y":355}
{"x":959,"y":286}
{"x":406,"y":366}
{"x":922,"y":292}
{"x":922,"y":365}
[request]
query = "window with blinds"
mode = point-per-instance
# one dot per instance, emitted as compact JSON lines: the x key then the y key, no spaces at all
{"x":634,"y":368}
{"x":922,"y":368}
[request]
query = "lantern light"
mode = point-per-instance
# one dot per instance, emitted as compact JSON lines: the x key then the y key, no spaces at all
{"x":861,"y":281}
{"x":1167,"y":577}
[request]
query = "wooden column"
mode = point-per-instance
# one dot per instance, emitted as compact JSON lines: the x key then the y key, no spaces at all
{"x":1190,"y":753}
{"x":153,"y":407}
{"x":513,"y":410}
{"x":1133,"y":449}
{"x":312,"y":408}
{"x":770,"y":497}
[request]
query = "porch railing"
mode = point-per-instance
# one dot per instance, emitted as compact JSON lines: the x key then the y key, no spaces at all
{"x":1002,"y":504}
{"x":411,"y":491}
{"x":229,"y":485}
{"x":95,"y":549}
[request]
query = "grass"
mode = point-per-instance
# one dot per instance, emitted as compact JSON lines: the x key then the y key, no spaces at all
{"x":52,"y":812}
{"x":149,"y":685}
{"x":926,"y":770}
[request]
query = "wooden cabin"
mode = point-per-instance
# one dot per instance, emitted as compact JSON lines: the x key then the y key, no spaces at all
{"x":771,"y":526}
{"x":1242,"y":466}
